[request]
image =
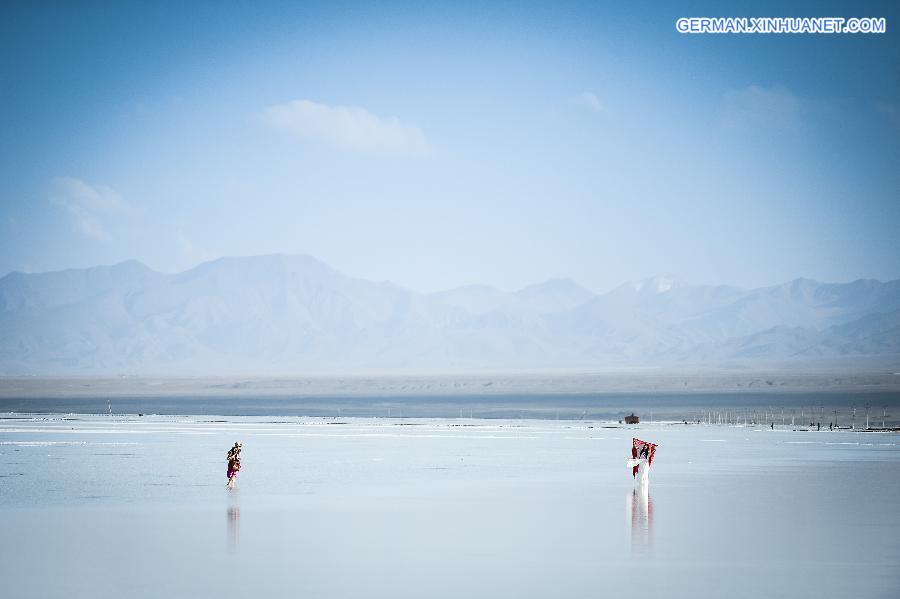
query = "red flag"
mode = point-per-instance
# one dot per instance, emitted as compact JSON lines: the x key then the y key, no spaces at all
{"x":636,"y":446}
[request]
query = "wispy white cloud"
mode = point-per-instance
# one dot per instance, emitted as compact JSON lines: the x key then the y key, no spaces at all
{"x":347,"y":127}
{"x":760,"y":107}
{"x":88,"y":206}
{"x":587,"y":100}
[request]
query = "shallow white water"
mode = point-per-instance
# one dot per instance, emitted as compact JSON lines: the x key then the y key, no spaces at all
{"x":136,"y":507}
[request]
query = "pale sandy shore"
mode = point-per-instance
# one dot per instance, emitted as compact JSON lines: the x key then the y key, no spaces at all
{"x":449,"y":384}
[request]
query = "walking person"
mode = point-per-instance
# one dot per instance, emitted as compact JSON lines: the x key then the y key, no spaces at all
{"x":234,"y":464}
{"x":642,"y":454}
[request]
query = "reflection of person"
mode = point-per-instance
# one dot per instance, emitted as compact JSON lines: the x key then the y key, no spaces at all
{"x":640,"y":511}
{"x":234,"y":464}
{"x":234,"y":525}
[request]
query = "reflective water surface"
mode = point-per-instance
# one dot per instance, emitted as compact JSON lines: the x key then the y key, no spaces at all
{"x":137,"y":507}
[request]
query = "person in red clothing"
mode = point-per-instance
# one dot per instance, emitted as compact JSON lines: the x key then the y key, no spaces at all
{"x":234,"y":464}
{"x":641,"y":458}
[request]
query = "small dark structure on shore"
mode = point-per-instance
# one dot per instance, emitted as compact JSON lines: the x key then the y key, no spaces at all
{"x":632,"y":419}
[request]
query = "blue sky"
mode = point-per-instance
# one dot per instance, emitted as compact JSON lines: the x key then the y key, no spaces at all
{"x":438,"y":146}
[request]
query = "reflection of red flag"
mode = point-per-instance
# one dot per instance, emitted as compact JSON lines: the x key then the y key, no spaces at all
{"x":636,"y":446}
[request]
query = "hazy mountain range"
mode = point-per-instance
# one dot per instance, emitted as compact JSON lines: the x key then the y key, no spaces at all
{"x":294,"y":314}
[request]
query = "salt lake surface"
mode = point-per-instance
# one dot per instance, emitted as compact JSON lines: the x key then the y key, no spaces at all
{"x":121,"y":506}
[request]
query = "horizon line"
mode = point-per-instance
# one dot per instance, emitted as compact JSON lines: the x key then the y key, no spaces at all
{"x":675,"y":279}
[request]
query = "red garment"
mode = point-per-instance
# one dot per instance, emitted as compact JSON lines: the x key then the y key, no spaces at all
{"x":636,"y":446}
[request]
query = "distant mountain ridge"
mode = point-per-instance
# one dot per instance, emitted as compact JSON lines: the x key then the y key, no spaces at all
{"x":295,"y":314}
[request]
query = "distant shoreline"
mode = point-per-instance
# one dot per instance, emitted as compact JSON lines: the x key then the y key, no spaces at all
{"x":384,"y":385}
